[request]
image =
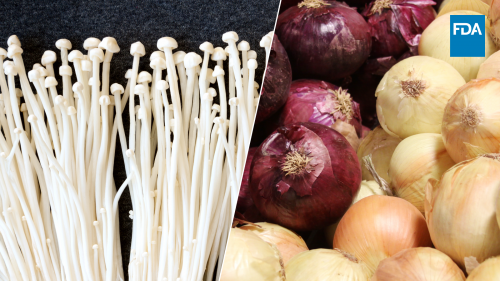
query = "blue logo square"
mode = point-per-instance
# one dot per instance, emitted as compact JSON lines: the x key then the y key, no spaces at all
{"x":467,"y":35}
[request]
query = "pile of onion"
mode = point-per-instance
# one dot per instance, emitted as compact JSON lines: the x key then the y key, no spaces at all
{"x":488,"y":270}
{"x":493,"y":18}
{"x":413,"y":94}
{"x":249,"y":258}
{"x":326,"y":264}
{"x":277,"y":83}
{"x":378,"y":227}
{"x":380,"y":145}
{"x":322,"y":103}
{"x":324,"y":39}
{"x":244,"y":197}
{"x":304,"y":176}
{"x":416,"y":160}
{"x":470,"y":121}
{"x":435,"y":42}
{"x":461,"y":210}
{"x":418,"y":264}
{"x":288,"y":243}
{"x":490,"y":68}
{"x":396,"y":25}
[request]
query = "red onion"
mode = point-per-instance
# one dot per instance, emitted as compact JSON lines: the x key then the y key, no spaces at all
{"x":304,"y":176}
{"x":245,"y":198}
{"x":320,"y":102}
{"x":324,"y":39}
{"x":285,"y":4}
{"x":277,"y":82}
{"x":397,"y":25}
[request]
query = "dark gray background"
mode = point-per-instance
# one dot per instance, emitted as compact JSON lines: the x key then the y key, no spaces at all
{"x":39,"y":24}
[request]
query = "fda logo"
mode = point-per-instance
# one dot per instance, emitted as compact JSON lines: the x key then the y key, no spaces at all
{"x":467,"y":35}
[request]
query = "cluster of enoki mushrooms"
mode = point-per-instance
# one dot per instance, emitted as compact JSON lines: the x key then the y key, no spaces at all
{"x":184,"y":156}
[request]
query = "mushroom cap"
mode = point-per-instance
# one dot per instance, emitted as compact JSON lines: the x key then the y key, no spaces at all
{"x":13,"y":50}
{"x":91,"y":82}
{"x":75,"y":55}
{"x":65,"y":70}
{"x":43,"y":72}
{"x":210,"y":76}
{"x":192,"y":59}
{"x":117,"y":88}
{"x":243,"y":46}
{"x":63,"y":43}
{"x":207,"y":47}
{"x":9,"y":68}
{"x":96,"y":54}
{"x":230,"y":36}
{"x":137,"y":49}
{"x":166,"y":42}
{"x":19,"y":92}
{"x":144,"y":76}
{"x":13,"y":40}
{"x":265,"y":41}
{"x":91,"y":43}
{"x":179,"y":57}
{"x":104,"y":100}
{"x":33,"y":75}
{"x":218,"y":71}
{"x":139,"y":89}
{"x":157,"y":54}
{"x":252,"y":54}
{"x":23,"y":107}
{"x":216,"y":107}
{"x":36,"y":66}
{"x":50,"y":81}
{"x":3,"y":53}
{"x":252,"y":64}
{"x":109,"y":44}
{"x":162,"y":85}
{"x":211,"y":91}
{"x":128,"y":74}
{"x":158,"y":62}
{"x":77,"y":87}
{"x":255,"y":85}
{"x":49,"y":57}
{"x":71,"y":110}
{"x":86,"y":65}
{"x":219,"y":54}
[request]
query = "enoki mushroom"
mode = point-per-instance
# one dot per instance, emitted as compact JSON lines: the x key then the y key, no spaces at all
{"x":184,"y":157}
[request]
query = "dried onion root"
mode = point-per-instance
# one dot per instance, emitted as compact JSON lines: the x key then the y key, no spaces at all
{"x":57,"y":193}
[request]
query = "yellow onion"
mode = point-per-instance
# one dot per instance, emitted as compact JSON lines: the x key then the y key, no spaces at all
{"x":435,"y":42}
{"x":380,"y":145}
{"x":417,"y":159}
{"x":488,"y":270}
{"x":418,"y":264}
{"x":461,"y":209}
{"x":326,"y":264}
{"x":288,"y":243}
{"x":249,"y":258}
{"x":412,"y":95}
{"x":493,"y":19}
{"x":367,"y":188}
{"x":469,"y":5}
{"x":471,"y":120}
{"x":490,"y":68}
{"x":378,"y":227}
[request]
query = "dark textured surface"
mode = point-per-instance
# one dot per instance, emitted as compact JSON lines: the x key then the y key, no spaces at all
{"x":39,"y":24}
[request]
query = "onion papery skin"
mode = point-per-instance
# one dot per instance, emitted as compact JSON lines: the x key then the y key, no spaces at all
{"x":461,"y":210}
{"x":326,"y":264}
{"x":416,"y":160}
{"x":312,"y":197}
{"x":413,"y":94}
{"x":490,"y":68}
{"x":249,"y":258}
{"x":418,"y":264}
{"x":398,"y":27}
{"x":314,"y":101}
{"x":470,"y":121}
{"x":367,"y":188}
{"x":493,"y":19}
{"x":276,"y":83}
{"x":380,"y":145}
{"x":245,"y":198}
{"x":435,"y":42}
{"x":468,"y":5}
{"x":378,"y":227}
{"x":325,"y":43}
{"x":288,"y":243}
{"x":488,"y":270}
